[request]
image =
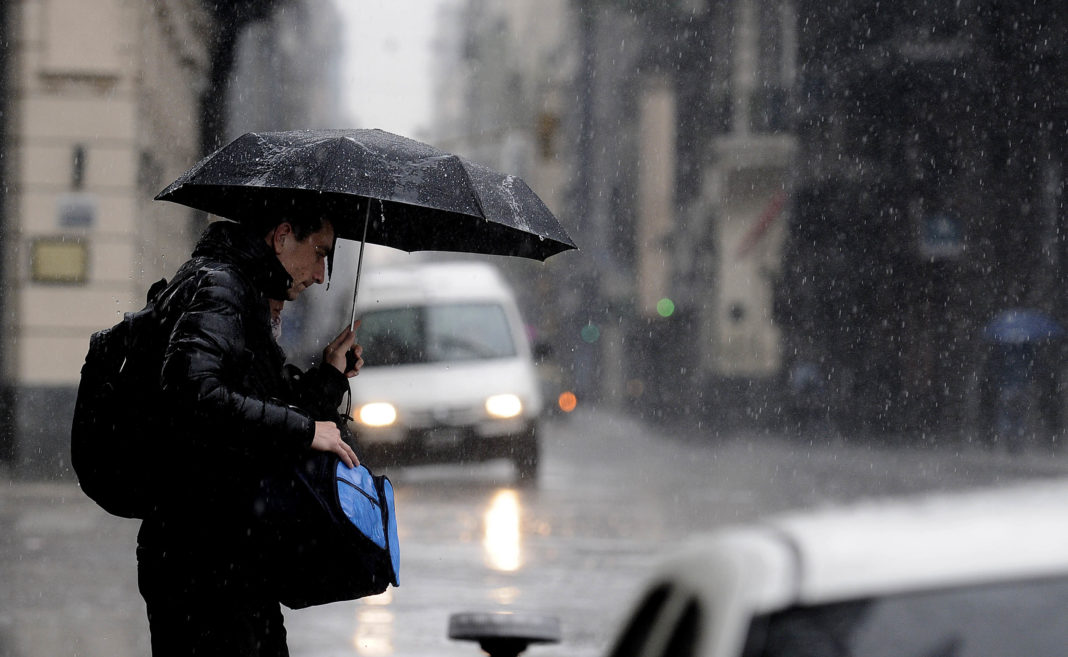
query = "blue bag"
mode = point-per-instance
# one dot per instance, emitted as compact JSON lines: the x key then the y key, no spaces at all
{"x":335,"y":532}
{"x":367,"y":502}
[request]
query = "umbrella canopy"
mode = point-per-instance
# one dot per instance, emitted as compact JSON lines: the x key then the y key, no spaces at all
{"x":427,"y":199}
{"x":1020,"y":326}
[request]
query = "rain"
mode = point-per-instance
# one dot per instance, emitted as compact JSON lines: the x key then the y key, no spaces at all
{"x":821,"y":259}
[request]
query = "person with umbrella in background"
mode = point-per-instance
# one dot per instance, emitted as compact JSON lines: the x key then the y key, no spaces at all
{"x":204,"y":561}
{"x":1021,"y":375}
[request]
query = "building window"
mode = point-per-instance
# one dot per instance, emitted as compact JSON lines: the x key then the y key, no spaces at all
{"x":776,"y":57}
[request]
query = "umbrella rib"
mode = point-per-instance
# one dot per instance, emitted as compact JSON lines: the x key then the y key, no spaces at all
{"x":334,"y":156}
{"x":474,"y":192}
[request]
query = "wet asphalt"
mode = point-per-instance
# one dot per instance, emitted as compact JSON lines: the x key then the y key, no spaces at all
{"x":614,"y":495}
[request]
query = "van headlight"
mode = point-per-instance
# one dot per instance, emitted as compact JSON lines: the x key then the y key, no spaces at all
{"x":504,"y":406}
{"x":377,"y":414}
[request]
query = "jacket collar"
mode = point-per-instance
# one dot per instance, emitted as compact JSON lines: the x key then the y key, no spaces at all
{"x":233,"y":243}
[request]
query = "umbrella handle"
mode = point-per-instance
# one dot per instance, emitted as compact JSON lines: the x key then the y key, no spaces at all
{"x":350,"y":355}
{"x":359,"y":265}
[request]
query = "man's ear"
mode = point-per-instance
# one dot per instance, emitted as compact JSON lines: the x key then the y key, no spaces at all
{"x":279,"y":235}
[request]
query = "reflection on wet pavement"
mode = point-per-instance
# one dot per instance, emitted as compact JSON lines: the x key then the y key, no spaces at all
{"x":374,"y":626}
{"x":501,"y":540}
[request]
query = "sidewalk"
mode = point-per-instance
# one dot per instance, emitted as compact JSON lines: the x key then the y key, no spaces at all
{"x":68,"y":576}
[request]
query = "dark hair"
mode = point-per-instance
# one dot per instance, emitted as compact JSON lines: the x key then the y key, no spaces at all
{"x":303,"y":225}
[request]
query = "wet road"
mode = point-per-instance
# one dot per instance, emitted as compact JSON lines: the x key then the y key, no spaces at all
{"x":614,"y":495}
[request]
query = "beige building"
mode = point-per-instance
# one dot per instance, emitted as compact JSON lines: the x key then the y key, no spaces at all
{"x":746,"y":188}
{"x":103,"y":111}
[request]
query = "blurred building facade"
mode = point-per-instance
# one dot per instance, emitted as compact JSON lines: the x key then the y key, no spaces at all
{"x":778,"y":203}
{"x":933,"y":140}
{"x":506,"y":106}
{"x":105,"y":102}
{"x":657,"y":132}
{"x":287,"y":71}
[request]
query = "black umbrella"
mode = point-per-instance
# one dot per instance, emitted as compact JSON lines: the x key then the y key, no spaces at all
{"x":430,"y":199}
{"x":423,"y":198}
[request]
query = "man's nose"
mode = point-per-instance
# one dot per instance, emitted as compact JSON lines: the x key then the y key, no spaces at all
{"x":320,"y":272}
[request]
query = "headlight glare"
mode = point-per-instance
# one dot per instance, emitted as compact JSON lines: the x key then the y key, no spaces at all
{"x":504,"y":406}
{"x":378,"y":414}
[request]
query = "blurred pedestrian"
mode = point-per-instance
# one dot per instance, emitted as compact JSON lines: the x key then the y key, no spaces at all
{"x":204,"y":554}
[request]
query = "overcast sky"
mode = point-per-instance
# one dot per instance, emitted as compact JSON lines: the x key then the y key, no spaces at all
{"x":388,"y":59}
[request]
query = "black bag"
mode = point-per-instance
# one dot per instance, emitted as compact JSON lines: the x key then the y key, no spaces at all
{"x":114,"y":409}
{"x":335,"y":532}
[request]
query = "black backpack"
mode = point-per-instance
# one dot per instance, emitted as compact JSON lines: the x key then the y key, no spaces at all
{"x":113,"y":415}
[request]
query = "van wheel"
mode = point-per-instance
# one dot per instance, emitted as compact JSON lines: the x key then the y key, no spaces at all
{"x":525,"y":457}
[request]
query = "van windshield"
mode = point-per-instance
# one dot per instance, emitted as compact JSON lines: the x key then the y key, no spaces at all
{"x":435,"y":334}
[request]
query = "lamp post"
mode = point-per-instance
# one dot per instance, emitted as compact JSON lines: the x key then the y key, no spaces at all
{"x":7,"y":444}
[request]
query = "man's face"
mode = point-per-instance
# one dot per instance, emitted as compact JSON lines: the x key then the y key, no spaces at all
{"x":305,"y":260}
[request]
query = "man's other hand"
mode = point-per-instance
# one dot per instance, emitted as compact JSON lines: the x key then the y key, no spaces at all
{"x":328,"y":439}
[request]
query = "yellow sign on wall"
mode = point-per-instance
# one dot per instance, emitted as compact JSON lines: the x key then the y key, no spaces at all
{"x":59,"y":260}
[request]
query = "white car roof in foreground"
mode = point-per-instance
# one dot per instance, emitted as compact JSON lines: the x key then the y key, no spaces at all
{"x":882,"y":547}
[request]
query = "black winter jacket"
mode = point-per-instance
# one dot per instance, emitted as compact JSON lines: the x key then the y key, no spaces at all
{"x":228,"y":424}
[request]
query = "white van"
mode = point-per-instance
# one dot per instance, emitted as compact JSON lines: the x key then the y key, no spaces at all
{"x":448,"y":372}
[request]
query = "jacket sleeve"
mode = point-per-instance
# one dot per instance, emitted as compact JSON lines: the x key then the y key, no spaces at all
{"x":320,"y":390}
{"x":205,"y":353}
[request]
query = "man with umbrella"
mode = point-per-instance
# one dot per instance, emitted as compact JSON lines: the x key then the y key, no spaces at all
{"x":205,"y":561}
{"x":222,"y":371}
